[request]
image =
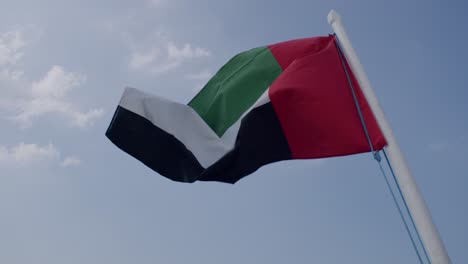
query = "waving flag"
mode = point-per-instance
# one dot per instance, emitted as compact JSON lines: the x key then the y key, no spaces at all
{"x":289,"y":100}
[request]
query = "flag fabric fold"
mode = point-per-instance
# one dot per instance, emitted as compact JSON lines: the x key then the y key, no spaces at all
{"x":289,"y":100}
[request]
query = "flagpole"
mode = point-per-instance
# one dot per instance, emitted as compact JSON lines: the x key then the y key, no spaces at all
{"x":419,"y":211}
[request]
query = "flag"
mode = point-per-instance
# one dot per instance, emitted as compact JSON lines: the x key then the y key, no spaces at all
{"x":289,"y":100}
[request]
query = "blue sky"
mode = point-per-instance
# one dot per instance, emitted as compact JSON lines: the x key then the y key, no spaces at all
{"x":67,"y":195}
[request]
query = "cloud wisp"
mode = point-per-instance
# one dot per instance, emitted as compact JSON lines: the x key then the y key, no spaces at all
{"x":165,"y":57}
{"x":11,"y":46}
{"x":154,"y":52}
{"x":48,"y":96}
{"x":27,"y":154}
{"x":26,"y":100}
{"x":70,"y":162}
{"x":11,"y":43}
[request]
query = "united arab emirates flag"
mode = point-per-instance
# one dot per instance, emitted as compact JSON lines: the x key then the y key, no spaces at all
{"x":290,"y":100}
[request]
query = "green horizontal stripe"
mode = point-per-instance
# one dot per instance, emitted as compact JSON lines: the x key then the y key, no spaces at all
{"x":235,"y":88}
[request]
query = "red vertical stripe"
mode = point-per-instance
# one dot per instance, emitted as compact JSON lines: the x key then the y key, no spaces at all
{"x":314,"y":103}
{"x":288,"y":51}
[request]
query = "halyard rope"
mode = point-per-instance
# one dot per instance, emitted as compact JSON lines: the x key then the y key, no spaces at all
{"x":378,"y":158}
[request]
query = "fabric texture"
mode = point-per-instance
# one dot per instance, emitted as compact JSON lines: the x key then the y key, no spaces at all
{"x":289,"y":100}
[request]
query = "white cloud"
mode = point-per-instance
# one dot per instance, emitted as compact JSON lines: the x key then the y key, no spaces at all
{"x":56,"y":83}
{"x":165,"y":57}
{"x":23,"y":100}
{"x":85,"y":119}
{"x":155,"y":52}
{"x":36,"y":107}
{"x":12,"y":86}
{"x":70,"y":162}
{"x":25,"y":154}
{"x":11,"y":52}
{"x":141,"y":60}
{"x":48,"y":96}
{"x":11,"y":44}
{"x":186,"y":52}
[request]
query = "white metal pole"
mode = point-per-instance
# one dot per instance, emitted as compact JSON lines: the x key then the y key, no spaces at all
{"x":419,"y":211}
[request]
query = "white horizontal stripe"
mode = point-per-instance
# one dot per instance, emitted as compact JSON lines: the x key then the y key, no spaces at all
{"x":184,"y":123}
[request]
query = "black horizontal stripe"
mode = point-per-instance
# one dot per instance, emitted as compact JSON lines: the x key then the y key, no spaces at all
{"x":157,"y":149}
{"x":260,"y":141}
